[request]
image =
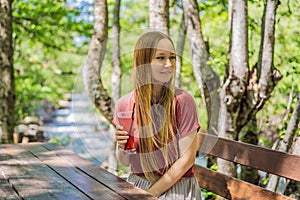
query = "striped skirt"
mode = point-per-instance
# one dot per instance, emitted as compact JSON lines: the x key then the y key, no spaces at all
{"x":186,"y":188}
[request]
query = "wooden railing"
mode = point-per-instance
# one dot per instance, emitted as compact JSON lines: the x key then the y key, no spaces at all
{"x":271,"y":161}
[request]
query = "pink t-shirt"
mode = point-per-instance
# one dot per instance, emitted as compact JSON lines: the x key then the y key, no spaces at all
{"x":187,"y":122}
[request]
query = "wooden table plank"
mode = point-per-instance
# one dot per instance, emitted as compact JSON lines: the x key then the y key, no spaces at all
{"x":6,"y":190}
{"x":46,"y":171}
{"x":85,"y":183}
{"x":117,"y":184}
{"x":31,"y":178}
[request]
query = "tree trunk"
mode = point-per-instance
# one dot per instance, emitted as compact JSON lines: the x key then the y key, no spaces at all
{"x":266,"y":71}
{"x":293,"y":187}
{"x":92,"y":67}
{"x":235,"y":84}
{"x":116,"y":72}
{"x":180,"y":48}
{"x":249,"y":134}
{"x":244,"y":94}
{"x":207,"y":80}
{"x":264,"y":76}
{"x":159,"y":15}
{"x":116,"y":78}
{"x":7,"y":91}
{"x":285,"y":144}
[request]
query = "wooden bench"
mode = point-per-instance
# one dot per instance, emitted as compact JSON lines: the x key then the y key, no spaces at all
{"x":46,"y":171}
{"x":271,"y":161}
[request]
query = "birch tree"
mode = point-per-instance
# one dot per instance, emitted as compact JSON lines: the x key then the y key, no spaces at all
{"x":92,"y":67}
{"x":207,"y":80}
{"x":179,"y":50}
{"x":116,"y":60}
{"x":285,"y":144}
{"x":243,"y":92}
{"x":116,"y":76}
{"x":293,"y":187}
{"x":7,"y":96}
{"x":159,"y":15}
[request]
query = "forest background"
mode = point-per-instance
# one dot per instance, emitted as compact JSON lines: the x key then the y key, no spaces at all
{"x":51,"y":41}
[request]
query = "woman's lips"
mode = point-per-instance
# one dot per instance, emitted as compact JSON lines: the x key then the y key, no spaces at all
{"x":166,"y":72}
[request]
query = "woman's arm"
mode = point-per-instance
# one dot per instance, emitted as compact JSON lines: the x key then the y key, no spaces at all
{"x":121,"y":139}
{"x":188,"y":147}
{"x":122,"y":157}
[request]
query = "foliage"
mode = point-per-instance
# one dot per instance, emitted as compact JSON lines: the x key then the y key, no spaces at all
{"x":51,"y":37}
{"x":286,"y":59}
{"x":208,"y":195}
{"x":123,"y":170}
{"x":46,"y":56}
{"x":50,"y":44}
{"x":61,"y":141}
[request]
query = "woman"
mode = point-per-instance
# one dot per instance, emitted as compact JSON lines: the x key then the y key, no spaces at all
{"x":164,"y":123}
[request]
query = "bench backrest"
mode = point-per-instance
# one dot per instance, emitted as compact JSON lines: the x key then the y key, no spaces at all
{"x":271,"y":161}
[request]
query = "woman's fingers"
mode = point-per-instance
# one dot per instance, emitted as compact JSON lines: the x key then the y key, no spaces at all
{"x":121,"y":138}
{"x":119,"y":127}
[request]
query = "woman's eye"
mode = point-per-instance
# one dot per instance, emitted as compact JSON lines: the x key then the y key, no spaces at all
{"x":160,"y":58}
{"x":173,"y":58}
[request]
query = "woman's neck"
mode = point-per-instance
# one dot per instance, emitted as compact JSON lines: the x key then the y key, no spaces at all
{"x":156,"y":92}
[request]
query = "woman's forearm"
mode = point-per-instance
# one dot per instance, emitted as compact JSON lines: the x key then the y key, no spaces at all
{"x":122,"y":157}
{"x":176,"y":171}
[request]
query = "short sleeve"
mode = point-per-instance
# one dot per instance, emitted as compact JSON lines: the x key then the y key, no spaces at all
{"x":116,"y":110}
{"x":125,"y":103}
{"x":187,"y":119}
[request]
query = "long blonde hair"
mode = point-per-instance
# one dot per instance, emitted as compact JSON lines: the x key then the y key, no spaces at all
{"x":149,"y":144}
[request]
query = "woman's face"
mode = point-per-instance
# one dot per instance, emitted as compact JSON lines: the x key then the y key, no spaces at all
{"x":164,"y":61}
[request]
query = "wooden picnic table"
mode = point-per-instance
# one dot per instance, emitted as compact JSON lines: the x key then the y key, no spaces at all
{"x":47,"y":171}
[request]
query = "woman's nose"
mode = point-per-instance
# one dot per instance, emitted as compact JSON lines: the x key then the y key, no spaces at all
{"x":168,"y":63}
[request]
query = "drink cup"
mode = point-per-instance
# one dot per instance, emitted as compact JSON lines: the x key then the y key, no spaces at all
{"x":126,"y":121}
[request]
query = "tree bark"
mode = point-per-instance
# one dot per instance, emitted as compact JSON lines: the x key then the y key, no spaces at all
{"x":7,"y":91}
{"x":180,"y":48}
{"x":92,"y":66}
{"x":264,"y":76}
{"x":293,"y":187}
{"x":249,"y":134}
{"x":159,"y":15}
{"x":266,"y":72}
{"x":285,"y":144}
{"x":116,"y":72}
{"x":234,"y":87}
{"x":207,"y":80}
{"x":244,"y":94}
{"x":115,"y":78}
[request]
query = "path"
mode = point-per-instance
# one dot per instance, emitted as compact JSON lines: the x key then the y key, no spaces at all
{"x":80,"y":129}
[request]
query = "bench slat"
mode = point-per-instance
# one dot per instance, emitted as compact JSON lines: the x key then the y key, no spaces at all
{"x":232,"y":188}
{"x":276,"y":162}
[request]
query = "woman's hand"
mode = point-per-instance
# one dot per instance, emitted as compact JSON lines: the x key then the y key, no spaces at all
{"x":121,"y":137}
{"x":152,"y":192}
